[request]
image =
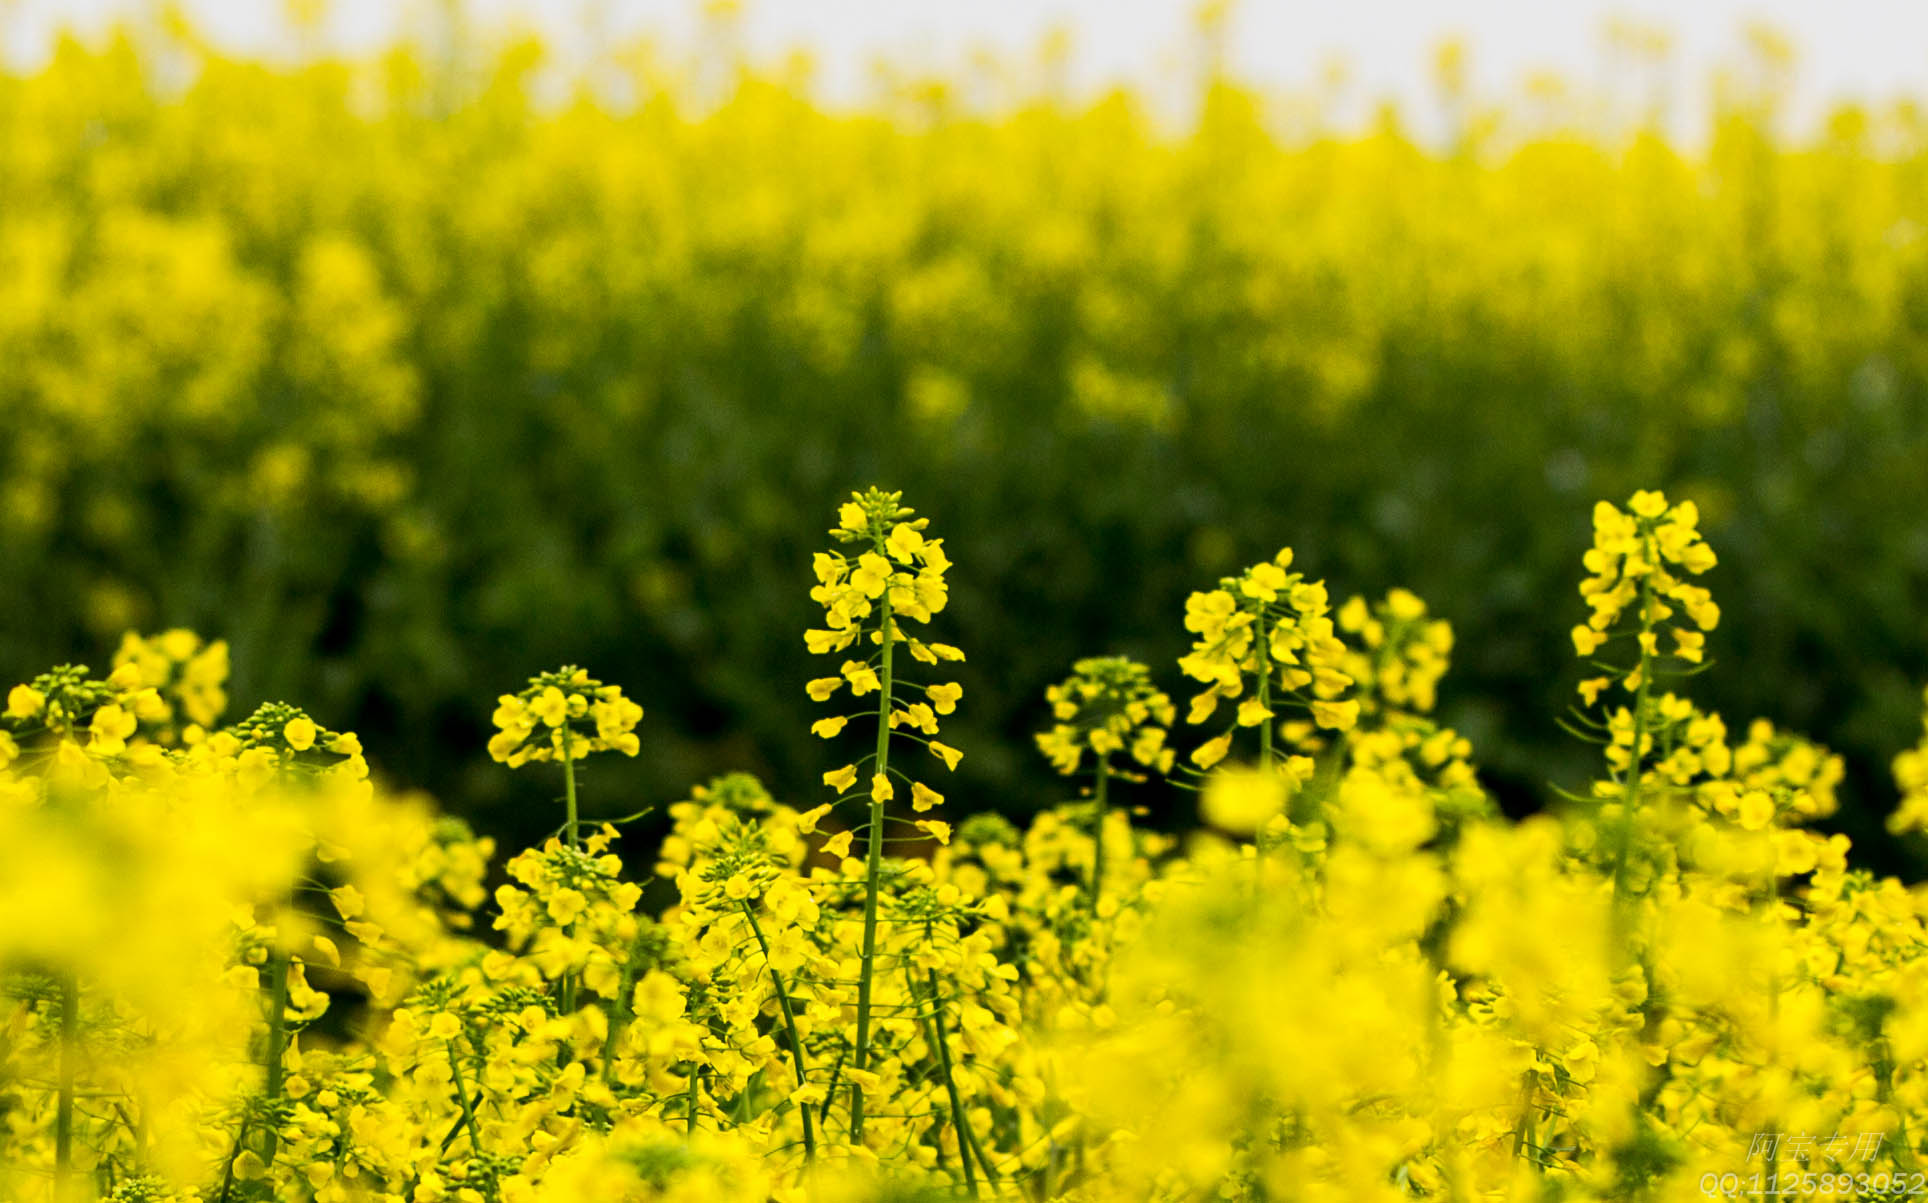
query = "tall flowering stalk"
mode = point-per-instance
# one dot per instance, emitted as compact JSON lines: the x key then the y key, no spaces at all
{"x":1411,"y":997}
{"x":739,"y":875}
{"x":59,"y":704}
{"x":1637,"y":590}
{"x":281,"y":743}
{"x":564,"y":716}
{"x":1265,"y":640}
{"x":1108,"y":706}
{"x":893,"y":574}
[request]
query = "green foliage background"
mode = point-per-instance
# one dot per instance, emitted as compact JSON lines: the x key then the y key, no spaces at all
{"x":412,"y":389}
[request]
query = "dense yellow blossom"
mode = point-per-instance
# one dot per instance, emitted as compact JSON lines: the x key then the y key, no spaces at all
{"x":235,"y":969}
{"x":1636,"y":562}
{"x":563,"y":715}
{"x":1108,"y":707}
{"x":1402,"y":651}
{"x":1268,"y":630}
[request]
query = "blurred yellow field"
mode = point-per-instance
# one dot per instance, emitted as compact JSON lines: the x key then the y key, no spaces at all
{"x":434,"y":358}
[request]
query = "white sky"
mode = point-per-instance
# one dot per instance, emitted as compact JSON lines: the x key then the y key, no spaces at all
{"x":1866,"y":49}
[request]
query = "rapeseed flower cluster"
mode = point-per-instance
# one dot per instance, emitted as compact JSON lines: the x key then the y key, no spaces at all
{"x":236,"y":970}
{"x":564,"y":716}
{"x":1398,"y":651}
{"x":1108,"y":707}
{"x":561,"y":716}
{"x":1266,"y":640}
{"x":1639,"y":562}
{"x":188,"y":673}
{"x":894,"y":575}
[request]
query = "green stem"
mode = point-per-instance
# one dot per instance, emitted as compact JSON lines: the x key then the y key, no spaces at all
{"x":462,"y":1097}
{"x":695,"y":1095}
{"x":277,"y":1043}
{"x":1631,"y":782}
{"x":569,"y":787}
{"x":1523,"y":1133}
{"x":873,"y":871}
{"x":620,"y":1020}
{"x":830,"y":1091}
{"x":959,"y":1120}
{"x":1438,"y":1043}
{"x":277,"y":1024}
{"x":1773,"y":894}
{"x":969,"y":1137}
{"x":789,"y":1022}
{"x":1103,"y":808}
{"x":140,"y":1127}
{"x":69,"y":1067}
{"x":227,"y":1170}
{"x":574,"y":839}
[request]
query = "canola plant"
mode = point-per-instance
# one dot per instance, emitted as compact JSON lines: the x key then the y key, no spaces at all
{"x":235,"y":969}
